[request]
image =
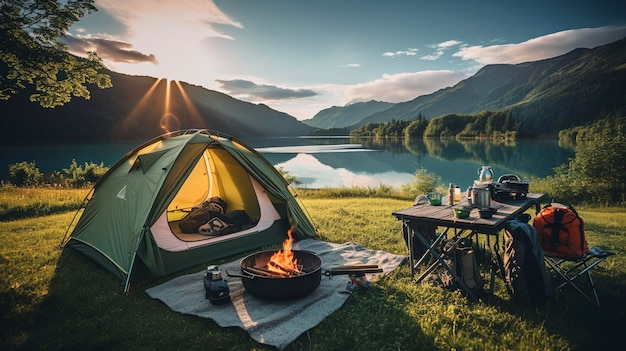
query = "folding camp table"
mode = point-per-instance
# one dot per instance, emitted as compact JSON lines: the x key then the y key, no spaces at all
{"x":420,"y":216}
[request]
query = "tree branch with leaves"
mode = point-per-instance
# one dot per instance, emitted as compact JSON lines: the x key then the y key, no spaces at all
{"x":32,"y":55}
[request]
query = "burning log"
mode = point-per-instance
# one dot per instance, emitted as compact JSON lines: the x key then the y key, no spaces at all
{"x":287,"y":270}
{"x":266,"y":273}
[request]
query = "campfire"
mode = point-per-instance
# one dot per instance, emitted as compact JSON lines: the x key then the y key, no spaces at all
{"x":282,"y":263}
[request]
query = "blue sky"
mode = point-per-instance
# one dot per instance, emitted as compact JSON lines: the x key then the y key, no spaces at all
{"x":300,"y":57}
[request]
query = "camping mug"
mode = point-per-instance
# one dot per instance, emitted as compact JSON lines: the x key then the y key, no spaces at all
{"x":434,"y":198}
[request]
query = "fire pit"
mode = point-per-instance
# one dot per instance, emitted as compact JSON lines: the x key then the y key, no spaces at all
{"x":288,"y":274}
{"x":262,"y":282}
{"x":282,"y":274}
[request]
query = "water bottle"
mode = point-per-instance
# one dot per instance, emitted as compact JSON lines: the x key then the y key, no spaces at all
{"x":451,"y":194}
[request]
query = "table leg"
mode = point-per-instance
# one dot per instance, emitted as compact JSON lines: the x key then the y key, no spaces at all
{"x":408,"y":233}
{"x":435,"y":254}
{"x":439,"y":261}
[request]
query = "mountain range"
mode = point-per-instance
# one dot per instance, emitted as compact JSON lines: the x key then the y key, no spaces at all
{"x":547,"y":96}
{"x":339,"y":117}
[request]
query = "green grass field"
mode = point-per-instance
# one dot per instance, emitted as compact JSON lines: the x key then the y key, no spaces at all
{"x":52,"y":298}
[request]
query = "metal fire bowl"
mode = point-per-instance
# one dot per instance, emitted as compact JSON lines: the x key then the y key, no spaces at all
{"x":282,"y":288}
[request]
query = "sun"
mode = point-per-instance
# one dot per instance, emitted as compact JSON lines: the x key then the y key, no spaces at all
{"x":174,"y":61}
{"x":181,"y":51}
{"x":178,"y":34}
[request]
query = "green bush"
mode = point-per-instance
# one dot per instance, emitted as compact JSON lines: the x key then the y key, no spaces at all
{"x":25,"y":174}
{"x":596,"y":175}
{"x":77,"y":176}
{"x":424,"y":183}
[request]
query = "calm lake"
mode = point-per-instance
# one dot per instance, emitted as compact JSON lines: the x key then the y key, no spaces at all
{"x":343,"y":161}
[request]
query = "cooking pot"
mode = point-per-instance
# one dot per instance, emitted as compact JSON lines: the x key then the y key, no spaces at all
{"x":289,"y":287}
{"x":481,"y":197}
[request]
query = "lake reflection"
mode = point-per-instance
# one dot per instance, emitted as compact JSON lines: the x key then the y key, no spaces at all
{"x":331,"y":162}
{"x":343,"y":161}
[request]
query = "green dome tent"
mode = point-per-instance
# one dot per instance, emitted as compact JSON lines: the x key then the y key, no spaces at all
{"x":133,"y":211}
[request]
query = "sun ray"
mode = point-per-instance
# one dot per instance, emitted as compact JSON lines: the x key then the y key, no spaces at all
{"x":196,"y":118}
{"x":168,"y":97}
{"x":143,"y":102}
{"x":161,"y":103}
{"x":134,"y":114}
{"x":169,"y":122}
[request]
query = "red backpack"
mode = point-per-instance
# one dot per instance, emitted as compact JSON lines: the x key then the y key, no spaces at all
{"x":561,"y":231}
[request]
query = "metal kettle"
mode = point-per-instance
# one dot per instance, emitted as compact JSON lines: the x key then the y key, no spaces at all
{"x":485,"y":174}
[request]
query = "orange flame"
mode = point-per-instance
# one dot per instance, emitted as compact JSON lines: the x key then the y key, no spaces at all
{"x":283,"y":261}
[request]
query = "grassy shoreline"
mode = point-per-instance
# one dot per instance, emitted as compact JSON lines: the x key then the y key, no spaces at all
{"x":57,"y":299}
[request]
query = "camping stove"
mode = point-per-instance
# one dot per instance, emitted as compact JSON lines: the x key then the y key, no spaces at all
{"x":215,"y":287}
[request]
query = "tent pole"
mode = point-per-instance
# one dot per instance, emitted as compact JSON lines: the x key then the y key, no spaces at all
{"x":127,"y":284}
{"x":132,"y":262}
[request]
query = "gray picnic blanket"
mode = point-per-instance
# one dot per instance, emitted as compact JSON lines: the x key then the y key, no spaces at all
{"x":275,"y":323}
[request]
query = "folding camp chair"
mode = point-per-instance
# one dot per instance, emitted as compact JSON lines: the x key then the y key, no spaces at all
{"x":567,"y":270}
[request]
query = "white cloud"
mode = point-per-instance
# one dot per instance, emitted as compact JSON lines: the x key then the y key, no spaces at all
{"x":432,"y":57}
{"x":163,"y":16}
{"x":448,"y":43}
{"x":540,"y":48}
{"x":403,"y":86}
{"x":407,"y":52}
{"x":440,"y":48}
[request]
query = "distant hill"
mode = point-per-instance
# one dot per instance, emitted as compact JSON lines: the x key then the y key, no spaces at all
{"x":339,"y":117}
{"x":139,"y":108}
{"x":548,"y":95}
